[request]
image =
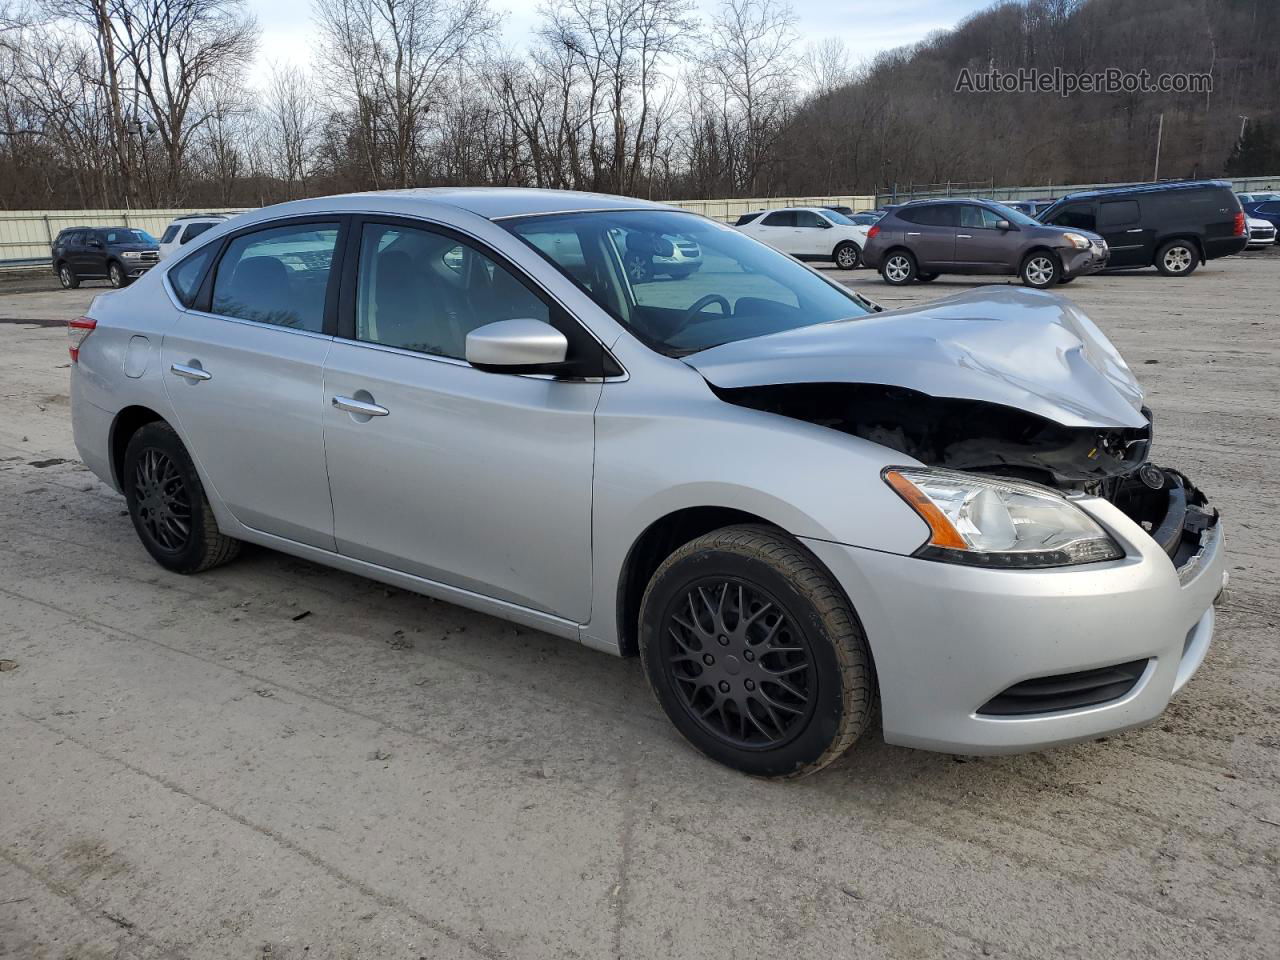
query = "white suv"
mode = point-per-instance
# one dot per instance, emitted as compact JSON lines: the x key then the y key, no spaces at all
{"x":183,"y":229}
{"x":810,"y":233}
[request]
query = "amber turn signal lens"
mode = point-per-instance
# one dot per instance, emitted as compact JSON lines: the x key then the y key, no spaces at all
{"x":942,"y":532}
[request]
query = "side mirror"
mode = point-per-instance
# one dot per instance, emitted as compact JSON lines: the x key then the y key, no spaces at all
{"x":517,"y":346}
{"x":1003,"y":225}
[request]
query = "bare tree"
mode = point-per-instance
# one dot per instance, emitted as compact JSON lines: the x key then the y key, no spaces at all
{"x":293,"y":117}
{"x":826,"y":65}
{"x":388,"y":60}
{"x":751,"y":60}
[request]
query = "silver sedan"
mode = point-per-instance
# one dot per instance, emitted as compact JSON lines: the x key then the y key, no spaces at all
{"x":786,"y":501}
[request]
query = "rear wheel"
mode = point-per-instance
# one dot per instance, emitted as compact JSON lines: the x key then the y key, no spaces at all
{"x":754,"y":653}
{"x":1177,"y":258}
{"x":899,"y":268}
{"x":67,"y":277}
{"x":117,"y":276}
{"x":1040,"y":269}
{"x":167,"y":504}
{"x":848,"y":256}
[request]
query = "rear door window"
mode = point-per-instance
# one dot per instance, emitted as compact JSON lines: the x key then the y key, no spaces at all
{"x":783,"y":218}
{"x":186,"y":277}
{"x":278,"y":276}
{"x":807,"y":218}
{"x":170,"y":232}
{"x":936,"y":215}
{"x":194,"y":230}
{"x":1114,"y":213}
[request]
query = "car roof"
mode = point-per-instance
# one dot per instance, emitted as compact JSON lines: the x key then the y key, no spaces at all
{"x":1146,"y":188}
{"x":490,"y":203}
{"x":202,"y":216}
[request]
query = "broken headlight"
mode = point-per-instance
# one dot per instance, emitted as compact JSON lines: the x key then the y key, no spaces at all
{"x":990,"y":522}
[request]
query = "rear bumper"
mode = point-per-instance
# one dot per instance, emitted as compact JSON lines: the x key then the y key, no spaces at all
{"x":984,"y":631}
{"x":1224,"y":247}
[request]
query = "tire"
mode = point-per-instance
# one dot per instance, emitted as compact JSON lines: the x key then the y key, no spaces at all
{"x":899,"y":268}
{"x":927,"y":277}
{"x":848,"y":256}
{"x":1065,"y":279}
{"x":1178,"y":258}
{"x":67,"y":277}
{"x":639,"y":268}
{"x":680,"y":273}
{"x":117,"y":276}
{"x":1040,"y":269}
{"x":165,"y":495}
{"x":767,"y":708}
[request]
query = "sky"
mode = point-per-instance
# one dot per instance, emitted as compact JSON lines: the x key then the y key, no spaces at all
{"x":866,"y":26}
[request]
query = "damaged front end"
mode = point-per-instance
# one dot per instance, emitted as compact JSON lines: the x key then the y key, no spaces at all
{"x":999,"y":381}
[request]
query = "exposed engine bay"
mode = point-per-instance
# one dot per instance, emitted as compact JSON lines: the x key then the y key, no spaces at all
{"x":984,"y":437}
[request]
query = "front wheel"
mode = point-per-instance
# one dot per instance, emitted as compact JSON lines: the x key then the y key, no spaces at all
{"x":168,"y":506}
{"x":1177,"y":258}
{"x":117,"y":276}
{"x":755,"y":654}
{"x":1040,"y":270}
{"x":848,"y":256}
{"x":898,"y":269}
{"x":67,"y":277}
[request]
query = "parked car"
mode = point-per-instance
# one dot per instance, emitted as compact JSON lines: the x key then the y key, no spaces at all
{"x":1267,"y":210}
{"x":1032,"y":208}
{"x":119,"y":254}
{"x":1248,"y":198}
{"x":755,"y":485}
{"x":925,"y":239}
{"x":186,"y":228}
{"x":811,"y":233}
{"x":846,"y":211}
{"x":1262,"y":233}
{"x":748,"y":217}
{"x":867,"y":218}
{"x":675,"y":257}
{"x":1172,"y":226}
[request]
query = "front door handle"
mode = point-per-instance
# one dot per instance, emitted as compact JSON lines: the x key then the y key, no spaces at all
{"x":913,"y":233}
{"x":1135,"y":230}
{"x":192,"y":373}
{"x":964,"y":236}
{"x":361,"y":407}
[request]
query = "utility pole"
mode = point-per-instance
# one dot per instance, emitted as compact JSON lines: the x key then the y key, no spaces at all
{"x":1155,"y":177}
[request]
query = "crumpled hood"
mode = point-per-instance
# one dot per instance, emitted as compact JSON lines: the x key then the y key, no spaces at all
{"x":1022,"y":348}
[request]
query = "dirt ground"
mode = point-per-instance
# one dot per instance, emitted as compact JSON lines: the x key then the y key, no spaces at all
{"x":278,"y":761}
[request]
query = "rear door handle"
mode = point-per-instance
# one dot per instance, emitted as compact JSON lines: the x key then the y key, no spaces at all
{"x":1135,"y":230}
{"x":190,"y":373}
{"x":352,"y":405}
{"x":964,"y":236}
{"x":913,"y":233}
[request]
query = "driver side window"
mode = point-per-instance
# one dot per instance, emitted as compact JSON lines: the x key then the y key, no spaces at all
{"x":425,"y":291}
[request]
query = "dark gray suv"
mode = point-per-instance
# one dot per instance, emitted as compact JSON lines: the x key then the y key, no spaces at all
{"x":120,"y":254}
{"x":923,"y":239}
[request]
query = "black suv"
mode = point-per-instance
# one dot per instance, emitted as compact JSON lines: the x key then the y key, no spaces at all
{"x":1172,"y":226}
{"x":119,"y":254}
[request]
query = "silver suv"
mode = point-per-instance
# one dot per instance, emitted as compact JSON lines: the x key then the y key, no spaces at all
{"x":785,"y":500}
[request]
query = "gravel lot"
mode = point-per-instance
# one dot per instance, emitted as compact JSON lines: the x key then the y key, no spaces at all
{"x":274,"y":760}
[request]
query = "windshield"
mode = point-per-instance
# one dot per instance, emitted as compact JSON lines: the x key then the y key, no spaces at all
{"x":126,"y":235}
{"x":1016,"y":216}
{"x":682,"y":283}
{"x":835,"y":216}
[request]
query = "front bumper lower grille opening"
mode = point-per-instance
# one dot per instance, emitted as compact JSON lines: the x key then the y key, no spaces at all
{"x":1065,"y":691}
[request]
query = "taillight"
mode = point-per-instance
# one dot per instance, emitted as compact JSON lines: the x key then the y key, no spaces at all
{"x":873,"y":232}
{"x":1241,"y":229}
{"x":77,"y":330}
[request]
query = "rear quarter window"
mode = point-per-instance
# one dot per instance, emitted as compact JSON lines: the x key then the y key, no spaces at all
{"x":186,"y":277}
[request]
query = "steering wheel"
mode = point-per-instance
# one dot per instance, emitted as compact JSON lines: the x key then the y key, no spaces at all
{"x":701,"y":304}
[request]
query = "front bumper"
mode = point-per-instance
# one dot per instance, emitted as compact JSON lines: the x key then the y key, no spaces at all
{"x":1079,"y":263}
{"x":947,"y":639}
{"x":135,"y":268}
